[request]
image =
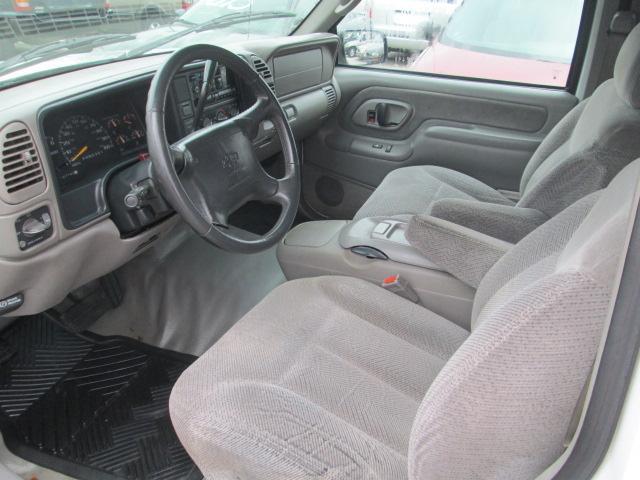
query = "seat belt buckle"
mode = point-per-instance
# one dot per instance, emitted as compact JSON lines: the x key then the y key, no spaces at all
{"x":398,"y":285}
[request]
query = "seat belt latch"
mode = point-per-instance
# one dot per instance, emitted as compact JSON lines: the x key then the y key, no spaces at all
{"x":400,"y":286}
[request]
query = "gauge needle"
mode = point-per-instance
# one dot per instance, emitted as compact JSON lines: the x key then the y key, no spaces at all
{"x":80,"y":153}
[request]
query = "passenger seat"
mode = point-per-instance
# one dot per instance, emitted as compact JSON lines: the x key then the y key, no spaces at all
{"x":333,"y":377}
{"x":583,"y":152}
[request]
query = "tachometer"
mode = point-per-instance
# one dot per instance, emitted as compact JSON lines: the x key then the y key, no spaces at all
{"x":82,"y":138}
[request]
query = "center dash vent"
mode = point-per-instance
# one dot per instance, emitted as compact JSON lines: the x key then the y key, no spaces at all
{"x":332,"y":97}
{"x":22,"y":175}
{"x":263,"y":70}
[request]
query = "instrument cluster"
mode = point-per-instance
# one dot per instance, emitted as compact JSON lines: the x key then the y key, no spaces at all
{"x":85,"y":143}
{"x":89,"y":138}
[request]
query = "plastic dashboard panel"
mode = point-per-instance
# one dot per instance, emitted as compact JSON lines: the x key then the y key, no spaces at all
{"x":296,"y":71}
{"x":81,"y":184}
{"x":71,"y":257}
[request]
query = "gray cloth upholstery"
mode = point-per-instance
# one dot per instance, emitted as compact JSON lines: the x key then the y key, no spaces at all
{"x":517,"y":379}
{"x":544,"y":242}
{"x":412,"y":190}
{"x":504,"y":222}
{"x":581,"y":154}
{"x":605,"y":139}
{"x":317,"y":380}
{"x":556,"y":139}
{"x":627,"y":69}
{"x":333,"y":377}
{"x":465,"y":253}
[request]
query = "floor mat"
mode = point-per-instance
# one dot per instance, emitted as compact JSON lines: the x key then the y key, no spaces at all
{"x":90,"y":409}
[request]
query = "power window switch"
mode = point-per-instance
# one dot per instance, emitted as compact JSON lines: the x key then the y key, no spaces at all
{"x":388,"y":148}
{"x":378,"y":146}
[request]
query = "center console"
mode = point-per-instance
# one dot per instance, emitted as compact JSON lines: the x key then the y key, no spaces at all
{"x":373,"y":249}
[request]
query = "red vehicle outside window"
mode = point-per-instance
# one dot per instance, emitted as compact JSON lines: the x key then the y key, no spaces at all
{"x":520,"y":41}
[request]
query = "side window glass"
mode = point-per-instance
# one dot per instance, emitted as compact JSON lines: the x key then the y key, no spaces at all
{"x":521,"y":41}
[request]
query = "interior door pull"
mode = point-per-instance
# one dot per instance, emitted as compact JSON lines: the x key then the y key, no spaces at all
{"x":383,"y":117}
{"x":381,"y":113}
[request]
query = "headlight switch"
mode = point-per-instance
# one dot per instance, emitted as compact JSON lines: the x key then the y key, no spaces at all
{"x":34,"y":227}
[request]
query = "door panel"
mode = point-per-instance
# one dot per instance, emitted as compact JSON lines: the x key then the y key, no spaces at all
{"x":486,"y":130}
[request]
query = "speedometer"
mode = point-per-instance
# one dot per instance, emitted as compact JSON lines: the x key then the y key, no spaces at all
{"x":82,"y":139}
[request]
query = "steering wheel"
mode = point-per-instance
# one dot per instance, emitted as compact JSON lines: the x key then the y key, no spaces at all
{"x":213,"y":171}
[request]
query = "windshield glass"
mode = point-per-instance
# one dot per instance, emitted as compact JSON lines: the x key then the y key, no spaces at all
{"x":537,"y":29}
{"x":39,"y":38}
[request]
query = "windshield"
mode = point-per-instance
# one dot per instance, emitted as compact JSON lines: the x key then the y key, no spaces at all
{"x":39,"y":38}
{"x":537,"y":29}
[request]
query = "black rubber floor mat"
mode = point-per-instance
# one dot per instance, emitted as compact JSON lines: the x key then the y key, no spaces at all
{"x":90,"y":409}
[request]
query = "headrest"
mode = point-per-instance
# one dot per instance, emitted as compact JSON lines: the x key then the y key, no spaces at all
{"x":626,"y":73}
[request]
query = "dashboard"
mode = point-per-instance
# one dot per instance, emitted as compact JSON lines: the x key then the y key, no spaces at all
{"x":89,"y":138}
{"x":77,"y":150}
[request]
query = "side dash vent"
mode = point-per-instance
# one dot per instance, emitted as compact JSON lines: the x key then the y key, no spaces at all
{"x":263,"y":70}
{"x":332,"y":97}
{"x":22,"y":175}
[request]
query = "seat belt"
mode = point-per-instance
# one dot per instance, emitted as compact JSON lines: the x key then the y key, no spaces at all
{"x":620,"y":26}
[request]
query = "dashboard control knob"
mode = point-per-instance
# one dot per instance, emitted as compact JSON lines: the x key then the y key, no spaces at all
{"x":36,"y":226}
{"x":136,"y":197}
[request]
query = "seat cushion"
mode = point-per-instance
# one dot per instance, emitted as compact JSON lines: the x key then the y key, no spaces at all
{"x":324,"y":377}
{"x":412,"y":190}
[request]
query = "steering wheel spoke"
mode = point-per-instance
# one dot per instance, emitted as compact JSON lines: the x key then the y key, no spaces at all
{"x":276,"y":190}
{"x":249,"y":120}
{"x":196,"y":189}
{"x":213,"y":171}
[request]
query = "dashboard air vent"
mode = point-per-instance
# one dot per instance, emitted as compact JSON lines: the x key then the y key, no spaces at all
{"x":330,"y":92}
{"x":262,"y":68}
{"x":22,"y":175}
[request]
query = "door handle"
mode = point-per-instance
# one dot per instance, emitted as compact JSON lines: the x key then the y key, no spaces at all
{"x":381,"y":113}
{"x":383,"y":116}
{"x":386,"y":114}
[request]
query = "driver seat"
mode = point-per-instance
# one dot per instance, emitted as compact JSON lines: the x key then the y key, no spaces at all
{"x":334,"y":377}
